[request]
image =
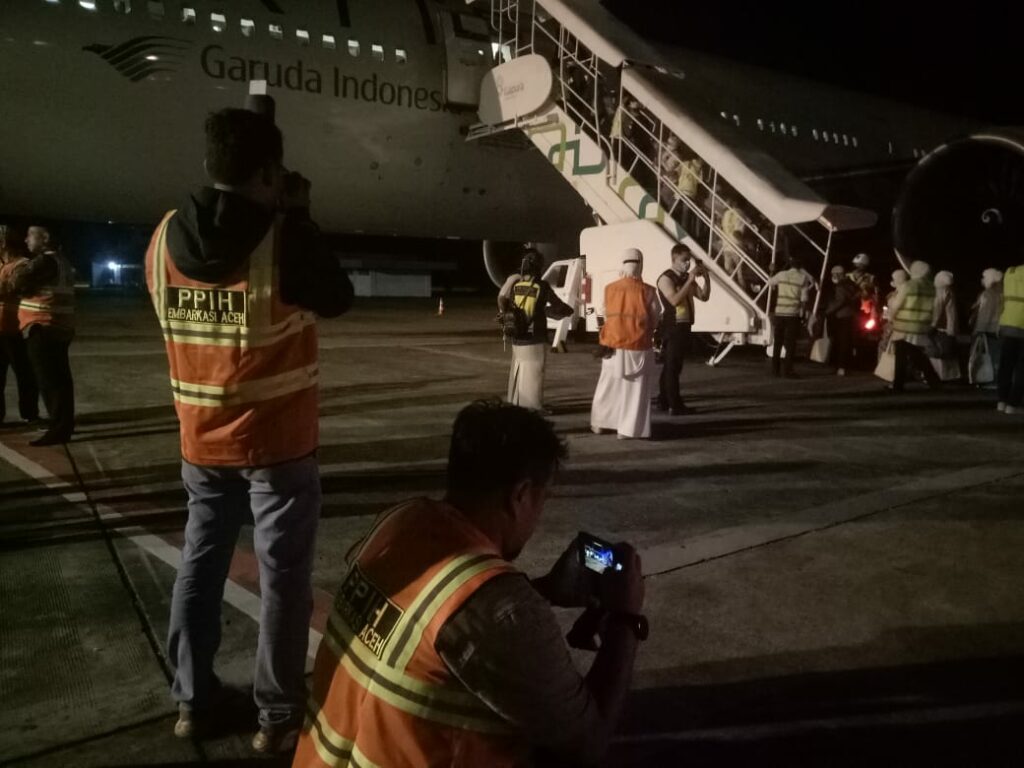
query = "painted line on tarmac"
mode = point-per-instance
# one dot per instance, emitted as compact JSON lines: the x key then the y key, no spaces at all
{"x":462,"y":355}
{"x":235,"y":594}
{"x":667,"y":558}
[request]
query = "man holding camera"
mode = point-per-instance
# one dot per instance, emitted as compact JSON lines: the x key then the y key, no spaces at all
{"x":237,"y":276}
{"x":678,"y":286}
{"x":440,"y":652}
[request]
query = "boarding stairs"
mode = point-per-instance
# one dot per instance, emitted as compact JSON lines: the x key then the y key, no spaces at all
{"x":613,"y":138}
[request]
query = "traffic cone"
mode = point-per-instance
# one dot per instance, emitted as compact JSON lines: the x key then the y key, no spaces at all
{"x":440,"y":307}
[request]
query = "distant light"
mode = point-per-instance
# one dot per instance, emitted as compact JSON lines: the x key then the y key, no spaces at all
{"x":870,"y":324}
{"x":89,"y":5}
{"x":113,"y":265}
{"x":152,"y":57}
{"x":40,"y":43}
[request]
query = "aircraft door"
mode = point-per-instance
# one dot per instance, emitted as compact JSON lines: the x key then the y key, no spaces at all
{"x":468,"y":56}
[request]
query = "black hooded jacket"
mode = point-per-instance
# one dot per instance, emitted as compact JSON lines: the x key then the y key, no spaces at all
{"x":213,"y":234}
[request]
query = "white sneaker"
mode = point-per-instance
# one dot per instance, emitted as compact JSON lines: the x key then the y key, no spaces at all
{"x":1001,"y":407}
{"x":1013,"y":409}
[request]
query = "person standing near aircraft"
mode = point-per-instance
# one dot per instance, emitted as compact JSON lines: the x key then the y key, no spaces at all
{"x":524,"y":302}
{"x":13,"y":351}
{"x":866,"y":284}
{"x":1011,"y":334}
{"x":841,"y":306}
{"x":45,"y":286}
{"x":622,"y":400}
{"x":678,"y":286}
{"x":792,"y":291}
{"x":911,"y":312}
{"x":237,"y":275}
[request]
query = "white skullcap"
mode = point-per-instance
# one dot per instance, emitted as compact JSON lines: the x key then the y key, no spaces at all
{"x":943,"y":279}
{"x":899,"y":277}
{"x":990,"y":277}
{"x":861,"y":260}
{"x":920,"y":269}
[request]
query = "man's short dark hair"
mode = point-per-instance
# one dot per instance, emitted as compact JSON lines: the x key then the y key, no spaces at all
{"x":239,"y":143}
{"x":679,"y":248}
{"x":495,"y":446}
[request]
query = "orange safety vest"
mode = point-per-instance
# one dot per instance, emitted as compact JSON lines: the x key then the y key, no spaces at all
{"x":627,"y":322}
{"x":243,"y":364}
{"x":9,"y":324}
{"x":381,"y":695}
{"x":54,"y":305}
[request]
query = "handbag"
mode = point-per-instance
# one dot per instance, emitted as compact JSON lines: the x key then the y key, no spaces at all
{"x":980,"y":368}
{"x":821,"y":349}
{"x":886,"y":368}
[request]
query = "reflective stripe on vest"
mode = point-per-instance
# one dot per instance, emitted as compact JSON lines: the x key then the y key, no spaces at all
{"x":789,"y":293}
{"x":379,"y":688}
{"x":915,"y":316}
{"x":1012,"y":315}
{"x":54,"y":305}
{"x":627,"y":324}
{"x":9,"y":306}
{"x":232,"y":349}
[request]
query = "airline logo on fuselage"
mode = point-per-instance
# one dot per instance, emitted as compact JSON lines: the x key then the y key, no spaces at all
{"x":142,"y":57}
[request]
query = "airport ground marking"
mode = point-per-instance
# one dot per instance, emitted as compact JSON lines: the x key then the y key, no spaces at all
{"x":235,"y":595}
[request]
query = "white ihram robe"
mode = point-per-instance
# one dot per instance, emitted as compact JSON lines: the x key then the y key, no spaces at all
{"x":622,"y":400}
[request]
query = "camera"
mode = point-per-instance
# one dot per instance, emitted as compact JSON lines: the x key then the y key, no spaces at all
{"x":596,"y":554}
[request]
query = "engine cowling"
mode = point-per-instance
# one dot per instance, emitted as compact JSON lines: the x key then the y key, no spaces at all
{"x":502,"y":258}
{"x":962,"y":207}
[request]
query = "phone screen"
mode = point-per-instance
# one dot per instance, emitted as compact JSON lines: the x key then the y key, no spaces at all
{"x":599,"y":557}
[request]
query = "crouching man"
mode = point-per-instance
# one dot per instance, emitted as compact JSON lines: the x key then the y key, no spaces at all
{"x":438,"y":651}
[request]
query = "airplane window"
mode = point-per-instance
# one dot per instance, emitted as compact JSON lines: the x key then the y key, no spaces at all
{"x":782,"y":127}
{"x":835,"y":137}
{"x":89,"y":5}
{"x":188,"y":15}
{"x":792,"y":131}
{"x":814,"y":133}
{"x":772,"y":126}
{"x":724,"y":115}
{"x":248,"y":27}
{"x":854,"y":140}
{"x":377,"y":51}
{"x":302,"y":36}
{"x":736,"y":119}
{"x":760,"y":124}
{"x":329,"y":43}
{"x":846,"y":140}
{"x":156,"y":9}
{"x":400,"y":55}
{"x":123,"y":6}
{"x":276,"y":31}
{"x":218,"y":22}
{"x":353,"y":47}
{"x":890,"y":148}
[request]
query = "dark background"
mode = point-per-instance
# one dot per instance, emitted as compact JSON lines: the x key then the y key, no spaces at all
{"x":958,"y":57}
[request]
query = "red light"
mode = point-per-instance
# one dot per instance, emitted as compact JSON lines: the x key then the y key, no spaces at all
{"x":869,"y":324}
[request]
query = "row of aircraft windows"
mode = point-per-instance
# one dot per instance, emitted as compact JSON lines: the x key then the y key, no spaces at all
{"x":825,"y":136}
{"x":248,"y":27}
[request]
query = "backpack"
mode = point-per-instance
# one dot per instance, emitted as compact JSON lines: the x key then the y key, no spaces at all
{"x":517,"y":320}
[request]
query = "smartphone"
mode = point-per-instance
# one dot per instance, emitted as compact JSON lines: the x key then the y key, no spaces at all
{"x":598,"y":555}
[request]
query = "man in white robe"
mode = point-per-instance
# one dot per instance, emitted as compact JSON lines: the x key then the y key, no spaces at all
{"x":622,"y":401}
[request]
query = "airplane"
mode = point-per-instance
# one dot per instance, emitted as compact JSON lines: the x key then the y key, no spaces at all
{"x":104,"y":102}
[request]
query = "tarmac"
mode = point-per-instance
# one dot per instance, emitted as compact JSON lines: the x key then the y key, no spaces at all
{"x":834,"y":572}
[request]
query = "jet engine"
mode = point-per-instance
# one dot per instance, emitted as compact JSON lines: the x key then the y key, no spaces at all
{"x":502,"y":258}
{"x":962,"y":207}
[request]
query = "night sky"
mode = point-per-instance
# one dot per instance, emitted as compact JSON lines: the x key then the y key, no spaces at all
{"x":963,"y":58}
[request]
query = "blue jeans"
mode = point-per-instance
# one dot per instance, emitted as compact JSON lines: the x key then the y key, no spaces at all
{"x":283,"y":502}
